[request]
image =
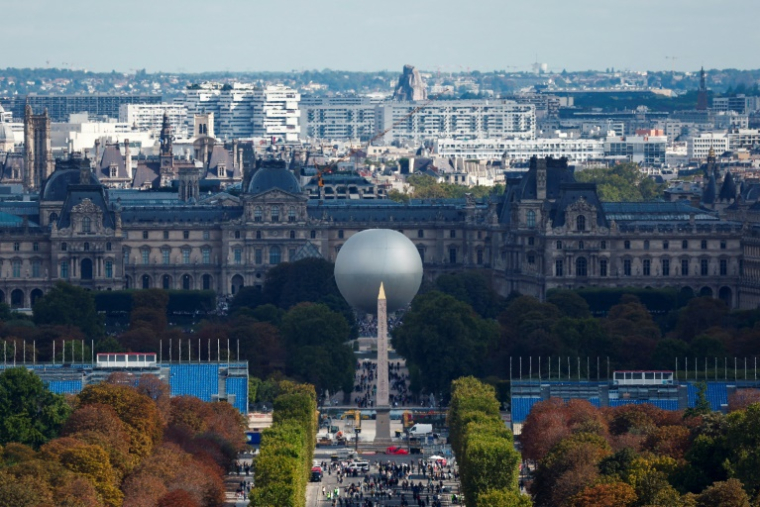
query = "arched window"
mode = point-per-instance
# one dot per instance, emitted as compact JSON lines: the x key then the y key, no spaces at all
{"x":275,"y":213}
{"x":86,"y":225}
{"x":580,"y":223}
{"x":257,"y":214}
{"x":580,"y":267}
{"x":531,"y":219}
{"x":274,"y":255}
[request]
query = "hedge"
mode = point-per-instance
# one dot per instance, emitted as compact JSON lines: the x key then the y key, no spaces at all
{"x":484,"y":447}
{"x":180,"y":301}
{"x":600,"y":300}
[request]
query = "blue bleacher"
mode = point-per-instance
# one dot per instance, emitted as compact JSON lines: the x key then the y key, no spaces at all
{"x":595,"y":401}
{"x":662,"y":404}
{"x":199,"y":380}
{"x":717,"y":394}
{"x":239,"y":387}
{"x":521,"y":408}
{"x":65,"y":386}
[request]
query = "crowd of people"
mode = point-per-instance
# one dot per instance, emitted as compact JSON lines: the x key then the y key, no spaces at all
{"x":368,"y":325}
{"x":365,"y":388}
{"x":392,"y":482}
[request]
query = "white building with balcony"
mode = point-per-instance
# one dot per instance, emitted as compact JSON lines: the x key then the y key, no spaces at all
{"x":149,"y":117}
{"x":276,"y":113}
{"x":521,"y":150}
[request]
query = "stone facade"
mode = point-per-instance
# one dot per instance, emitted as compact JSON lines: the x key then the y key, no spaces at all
{"x":547,"y":231}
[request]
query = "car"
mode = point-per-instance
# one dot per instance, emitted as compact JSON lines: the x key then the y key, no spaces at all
{"x":316,"y":474}
{"x":396,"y":450}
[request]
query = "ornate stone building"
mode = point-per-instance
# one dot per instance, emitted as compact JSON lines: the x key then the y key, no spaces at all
{"x":547,"y":231}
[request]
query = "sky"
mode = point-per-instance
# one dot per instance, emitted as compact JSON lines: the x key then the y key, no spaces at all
{"x":361,"y":35}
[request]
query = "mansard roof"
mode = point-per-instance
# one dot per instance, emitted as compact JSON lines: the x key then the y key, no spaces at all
{"x":273,"y":174}
{"x":56,"y":187}
{"x":177,"y":214}
{"x":112,"y":156}
{"x":571,"y":193}
{"x":557,"y":173}
{"x":79,"y":193}
{"x":655,"y":211}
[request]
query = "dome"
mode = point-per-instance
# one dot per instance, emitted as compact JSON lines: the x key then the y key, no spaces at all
{"x":6,"y":133}
{"x":56,"y":187}
{"x":273,"y":174}
{"x":373,"y":256}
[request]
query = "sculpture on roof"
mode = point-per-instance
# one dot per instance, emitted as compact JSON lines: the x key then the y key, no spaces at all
{"x":410,"y":85}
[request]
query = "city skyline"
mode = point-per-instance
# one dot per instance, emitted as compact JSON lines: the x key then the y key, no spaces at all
{"x":638,"y":35}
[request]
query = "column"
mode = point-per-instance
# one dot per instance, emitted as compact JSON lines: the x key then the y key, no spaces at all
{"x":383,"y":419}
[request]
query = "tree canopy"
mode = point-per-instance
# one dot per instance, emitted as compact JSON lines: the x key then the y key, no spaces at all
{"x":623,"y":182}
{"x":69,"y":305}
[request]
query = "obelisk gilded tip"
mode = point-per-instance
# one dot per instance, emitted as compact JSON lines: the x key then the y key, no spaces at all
{"x":381,"y":294}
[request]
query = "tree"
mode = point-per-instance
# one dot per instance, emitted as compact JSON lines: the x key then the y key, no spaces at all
{"x":623,"y":182}
{"x":473,"y":288}
{"x":23,"y":492}
{"x":177,"y":498}
{"x":700,"y":314}
{"x":445,"y":339}
{"x":614,"y":494}
{"x":701,"y":405}
{"x":724,"y":494}
{"x":29,"y":412}
{"x":570,"y":304}
{"x":503,"y":498}
{"x":743,"y":440}
{"x":69,"y":305}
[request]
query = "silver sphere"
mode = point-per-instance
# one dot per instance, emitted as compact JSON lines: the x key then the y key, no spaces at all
{"x":373,"y":256}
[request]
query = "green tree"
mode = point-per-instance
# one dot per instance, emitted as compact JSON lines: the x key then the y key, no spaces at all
{"x":473,"y":288}
{"x":724,"y":494}
{"x":503,"y":498}
{"x":701,"y":405}
{"x":623,"y":182}
{"x":444,"y":339}
{"x":743,"y":439}
{"x":29,"y":412}
{"x":570,"y":304}
{"x":69,"y":305}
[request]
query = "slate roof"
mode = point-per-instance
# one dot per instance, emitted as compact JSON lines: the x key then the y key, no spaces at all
{"x":658,"y":211}
{"x":273,"y":174}
{"x":571,"y":193}
{"x":56,"y":187}
{"x":147,"y":173}
{"x":177,"y":214}
{"x":112,"y":156}
{"x":221,"y":157}
{"x":11,"y":162}
{"x":77,"y":194}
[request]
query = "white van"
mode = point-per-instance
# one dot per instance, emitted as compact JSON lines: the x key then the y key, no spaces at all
{"x":420,"y":430}
{"x":359,"y":466}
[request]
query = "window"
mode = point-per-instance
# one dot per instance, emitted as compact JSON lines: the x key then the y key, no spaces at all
{"x":452,"y":233}
{"x":257,"y":214}
{"x":531,"y":241}
{"x":603,"y":267}
{"x":109,"y":269}
{"x":340,"y":234}
{"x":580,"y":223}
{"x":165,"y":256}
{"x":684,"y":267}
{"x":647,"y":267}
{"x":292,"y":234}
{"x":646,"y":244}
{"x":580,"y":245}
{"x":108,"y":246}
{"x":185,"y":256}
{"x":145,"y":256}
{"x":559,"y":245}
{"x":703,"y":244}
{"x":274,"y":255}
{"x":238,"y":256}
{"x":258,"y":256}
{"x":559,"y":268}
{"x":627,"y":245}
{"x":237,"y":234}
{"x":126,"y":253}
{"x":206,"y":255}
{"x":145,"y":234}
{"x":480,"y":257}
{"x":36,"y":247}
{"x":206,"y":235}
{"x":531,"y":219}
{"x":291,"y":214}
{"x":685,"y":244}
{"x":313,"y":234}
{"x":665,"y":245}
{"x":603,"y":245}
{"x":704,"y":267}
{"x":420,"y":233}
{"x":16,"y":267}
{"x":16,"y":247}
{"x":36,"y":268}
{"x":275,"y":214}
{"x":186,"y":234}
{"x":723,"y":267}
{"x":452,"y":255}
{"x":64,"y":269}
{"x":86,"y":247}
{"x":627,"y":267}
{"x":723,"y":245}
{"x":258,"y":234}
{"x":64,"y":247}
{"x":531,"y":259}
{"x":166,"y":234}
{"x":665,"y":267}
{"x":580,"y":267}
{"x":86,"y":225}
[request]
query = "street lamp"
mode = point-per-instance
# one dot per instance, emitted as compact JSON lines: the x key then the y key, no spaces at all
{"x":356,"y":439}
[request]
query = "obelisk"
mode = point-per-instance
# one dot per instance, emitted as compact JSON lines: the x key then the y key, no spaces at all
{"x":382,"y":406}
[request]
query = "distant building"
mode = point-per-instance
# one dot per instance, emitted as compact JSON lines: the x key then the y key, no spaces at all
{"x":699,"y":146}
{"x":337,"y":118}
{"x":149,"y":117}
{"x":738,"y":103}
{"x":410,"y":86}
{"x":521,"y":150}
{"x":647,"y":150}
{"x":276,"y":113}
{"x":60,"y":107}
{"x":454,"y":119}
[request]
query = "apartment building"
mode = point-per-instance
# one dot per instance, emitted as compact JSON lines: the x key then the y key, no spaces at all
{"x":276,"y":113}
{"x":521,"y":150}
{"x":337,"y":118}
{"x":149,"y":117}
{"x":645,"y":150}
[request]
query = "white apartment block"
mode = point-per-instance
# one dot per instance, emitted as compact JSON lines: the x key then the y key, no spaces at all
{"x":150,"y":117}
{"x":521,"y":150}
{"x":743,"y":138}
{"x":231,"y":104}
{"x":699,"y":146}
{"x":337,"y":118}
{"x":454,"y":119}
{"x":276,"y":113}
{"x":643,"y":150}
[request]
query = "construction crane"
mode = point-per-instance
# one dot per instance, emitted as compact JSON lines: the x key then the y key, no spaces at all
{"x":672,"y":63}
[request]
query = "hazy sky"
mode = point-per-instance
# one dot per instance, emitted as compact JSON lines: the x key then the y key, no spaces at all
{"x":254,"y":35}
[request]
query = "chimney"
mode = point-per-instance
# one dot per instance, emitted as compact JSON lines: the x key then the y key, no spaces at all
{"x":540,"y":179}
{"x":128,"y":158}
